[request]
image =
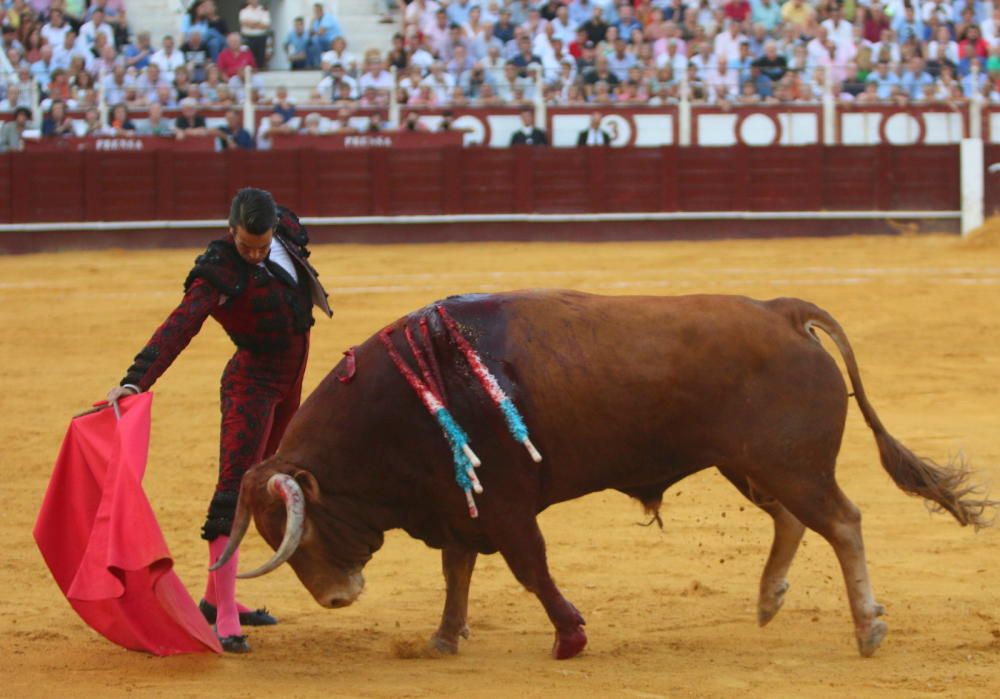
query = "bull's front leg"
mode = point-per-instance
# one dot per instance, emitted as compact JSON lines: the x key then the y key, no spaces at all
{"x":457,"y":564}
{"x":522,"y":546}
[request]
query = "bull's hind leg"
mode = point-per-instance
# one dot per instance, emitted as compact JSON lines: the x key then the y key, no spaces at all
{"x":824,"y":508}
{"x":520,"y":542}
{"x":457,"y":564}
{"x":788,"y":531}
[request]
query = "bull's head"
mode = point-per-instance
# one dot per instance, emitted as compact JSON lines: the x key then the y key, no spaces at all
{"x":290,"y":514}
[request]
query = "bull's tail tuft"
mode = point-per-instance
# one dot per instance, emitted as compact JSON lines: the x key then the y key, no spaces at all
{"x":945,"y":487}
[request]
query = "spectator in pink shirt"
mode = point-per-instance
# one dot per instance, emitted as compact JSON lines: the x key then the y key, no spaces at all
{"x":235,"y":57}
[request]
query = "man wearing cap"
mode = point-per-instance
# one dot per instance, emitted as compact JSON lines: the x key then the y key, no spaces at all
{"x":257,"y":283}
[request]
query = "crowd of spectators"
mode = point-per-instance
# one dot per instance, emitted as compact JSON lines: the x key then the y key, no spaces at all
{"x":456,"y":53}
{"x":608,"y":52}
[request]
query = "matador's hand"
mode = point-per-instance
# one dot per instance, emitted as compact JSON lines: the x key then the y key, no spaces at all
{"x":119,"y":392}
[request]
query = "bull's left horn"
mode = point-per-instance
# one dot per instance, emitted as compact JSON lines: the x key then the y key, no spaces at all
{"x":285,"y":487}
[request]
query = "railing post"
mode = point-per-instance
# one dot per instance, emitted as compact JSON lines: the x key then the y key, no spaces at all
{"x":393,"y":101}
{"x":684,"y":113}
{"x":829,"y":111}
{"x":102,"y":99}
{"x":36,"y":104}
{"x":972,"y":183}
{"x":248,"y":105}
{"x":540,"y":103}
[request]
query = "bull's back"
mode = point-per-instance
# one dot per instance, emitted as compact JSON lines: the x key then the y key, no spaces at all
{"x":626,"y":391}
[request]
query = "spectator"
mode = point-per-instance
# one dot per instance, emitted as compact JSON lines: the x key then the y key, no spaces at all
{"x":155,"y":124}
{"x":338,"y":53}
{"x":272,"y":125}
{"x":182,"y":83}
{"x":119,"y":122}
{"x":137,"y":55}
{"x":376,"y":76}
{"x":196,"y":55}
{"x":56,"y":29}
{"x":12,"y":132}
{"x":915,"y":79}
{"x":255,"y":25}
{"x":116,"y":84}
{"x":41,"y":69}
{"x":323,"y":29}
{"x":594,"y":135}
{"x":766,"y":13}
{"x":202,"y":16}
{"x":329,"y":88}
{"x":884,"y":80}
{"x":297,"y":44}
{"x":312,"y":125}
{"x":62,"y":55}
{"x":412,"y":123}
{"x":190,"y":122}
{"x":15,"y":98}
{"x":528,"y":134}
{"x":92,"y":125}
{"x":283,"y":104}
{"x":57,"y":123}
{"x":235,"y":58}
{"x":232,"y":134}
{"x":621,"y":60}
{"x":149,"y":82}
{"x":440,"y":82}
{"x":595,"y":27}
{"x":94,"y":26}
{"x":168,"y":58}
{"x":798,"y":14}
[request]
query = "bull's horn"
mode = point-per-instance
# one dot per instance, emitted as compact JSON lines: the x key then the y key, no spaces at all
{"x":241,"y":522}
{"x":285,"y":487}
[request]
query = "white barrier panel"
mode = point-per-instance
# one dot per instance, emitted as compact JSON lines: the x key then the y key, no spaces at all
{"x":972,"y":184}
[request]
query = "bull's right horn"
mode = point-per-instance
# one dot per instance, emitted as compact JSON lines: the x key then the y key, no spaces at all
{"x":285,"y":487}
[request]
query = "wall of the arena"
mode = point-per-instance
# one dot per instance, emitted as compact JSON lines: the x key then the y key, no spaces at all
{"x":168,"y":183}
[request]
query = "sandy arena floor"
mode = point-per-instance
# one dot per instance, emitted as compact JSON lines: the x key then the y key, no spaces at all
{"x":669,"y":614}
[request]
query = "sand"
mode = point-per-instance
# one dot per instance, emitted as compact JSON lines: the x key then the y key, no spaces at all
{"x":669,"y":613}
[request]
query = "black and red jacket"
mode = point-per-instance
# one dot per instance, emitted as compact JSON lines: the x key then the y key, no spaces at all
{"x":261,"y":311}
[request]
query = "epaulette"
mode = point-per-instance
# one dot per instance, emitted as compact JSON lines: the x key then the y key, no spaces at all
{"x":221,"y":266}
{"x":291,"y":229}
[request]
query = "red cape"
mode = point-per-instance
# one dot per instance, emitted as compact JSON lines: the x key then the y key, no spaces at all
{"x":100,"y":539}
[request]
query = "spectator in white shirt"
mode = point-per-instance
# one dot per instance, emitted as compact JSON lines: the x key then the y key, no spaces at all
{"x":563,"y":26}
{"x":97,"y":25}
{"x":838,"y":28}
{"x":329,"y":87}
{"x":56,"y":29}
{"x":440,"y":82}
{"x":255,"y":23}
{"x":169,"y":59}
{"x":376,"y":76}
{"x":338,"y":53}
{"x":722,"y":80}
{"x":942,"y":9}
{"x":727,"y":43}
{"x":674,"y":57}
{"x":421,"y":13}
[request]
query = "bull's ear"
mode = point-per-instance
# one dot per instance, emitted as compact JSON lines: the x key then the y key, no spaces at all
{"x":307,"y":482}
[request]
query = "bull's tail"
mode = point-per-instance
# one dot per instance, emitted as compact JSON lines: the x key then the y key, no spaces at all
{"x":946,"y":486}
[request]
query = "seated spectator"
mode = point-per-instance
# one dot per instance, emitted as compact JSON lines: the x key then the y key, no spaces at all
{"x":594,"y":135}
{"x":329,"y":88}
{"x":94,"y":26}
{"x":916,"y":78}
{"x":168,"y":58}
{"x":14,"y":98}
{"x":885,"y":81}
{"x":296,"y":45}
{"x":235,"y":57}
{"x":196,"y":55}
{"x":273,"y":124}
{"x":116,"y":84}
{"x":56,"y":29}
{"x":232,"y":134}
{"x":155,"y":124}
{"x":137,"y":55}
{"x":165,"y":96}
{"x":12,"y":132}
{"x":210,"y":86}
{"x":440,"y":82}
{"x":149,"y":82}
{"x":338,"y":53}
{"x":190,"y":122}
{"x":412,"y":123}
{"x":60,"y":88}
{"x":182,"y":83}
{"x":323,"y":29}
{"x":42,"y":69}
{"x":57,"y":123}
{"x":312,"y":125}
{"x":283,"y":104}
{"x":376,"y":76}
{"x":63,"y":54}
{"x":772,"y":64}
{"x":342,"y":124}
{"x":92,"y":125}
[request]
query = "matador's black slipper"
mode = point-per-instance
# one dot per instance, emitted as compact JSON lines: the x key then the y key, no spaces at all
{"x":258,"y":617}
{"x":234,"y":644}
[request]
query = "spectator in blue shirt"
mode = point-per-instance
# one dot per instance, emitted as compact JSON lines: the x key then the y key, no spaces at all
{"x":885,"y":81}
{"x":323,"y":30}
{"x":297,"y":45}
{"x":458,"y":11}
{"x":908,"y":26}
{"x":621,"y":60}
{"x":137,"y":54}
{"x":766,"y":12}
{"x":915,"y":78}
{"x":233,"y":135}
{"x":627,"y":21}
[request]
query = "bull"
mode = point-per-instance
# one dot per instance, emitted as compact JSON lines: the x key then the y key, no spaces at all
{"x":627,"y":393}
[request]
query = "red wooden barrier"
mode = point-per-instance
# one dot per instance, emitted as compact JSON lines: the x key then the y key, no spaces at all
{"x":108,"y":185}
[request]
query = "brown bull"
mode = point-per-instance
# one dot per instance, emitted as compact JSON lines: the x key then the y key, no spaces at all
{"x":629,"y":393}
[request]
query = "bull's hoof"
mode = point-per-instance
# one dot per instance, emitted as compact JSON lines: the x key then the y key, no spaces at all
{"x":448,"y":643}
{"x":569,"y":643}
{"x":870,"y":639}
{"x":770,"y":603}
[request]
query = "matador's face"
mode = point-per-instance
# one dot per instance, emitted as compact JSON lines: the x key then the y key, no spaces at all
{"x":252,"y":248}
